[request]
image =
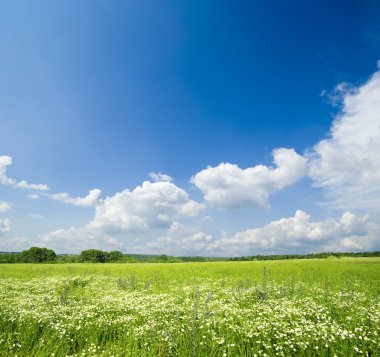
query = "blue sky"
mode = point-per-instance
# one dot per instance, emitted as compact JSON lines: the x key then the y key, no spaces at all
{"x":99,"y":95}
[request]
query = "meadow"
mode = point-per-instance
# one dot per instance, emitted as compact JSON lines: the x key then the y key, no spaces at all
{"x":316,"y":307}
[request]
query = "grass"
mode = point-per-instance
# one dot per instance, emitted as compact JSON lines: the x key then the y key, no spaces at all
{"x":274,"y":308}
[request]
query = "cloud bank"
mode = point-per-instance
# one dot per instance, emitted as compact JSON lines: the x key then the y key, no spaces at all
{"x":296,"y":234}
{"x":299,"y":233}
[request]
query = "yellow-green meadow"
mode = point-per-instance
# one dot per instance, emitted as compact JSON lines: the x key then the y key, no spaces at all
{"x":322,"y":307}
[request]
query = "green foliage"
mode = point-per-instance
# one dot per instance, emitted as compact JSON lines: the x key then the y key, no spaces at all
{"x":99,"y":256}
{"x":167,"y":259}
{"x":93,"y":256}
{"x":164,"y":258}
{"x":114,"y":256}
{"x":38,"y":255}
{"x":10,"y":257}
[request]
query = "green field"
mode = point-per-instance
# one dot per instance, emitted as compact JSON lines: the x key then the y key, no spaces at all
{"x":274,"y":308}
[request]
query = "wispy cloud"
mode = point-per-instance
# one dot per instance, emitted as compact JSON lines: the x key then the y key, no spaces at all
{"x":5,"y":161}
{"x":91,"y":199}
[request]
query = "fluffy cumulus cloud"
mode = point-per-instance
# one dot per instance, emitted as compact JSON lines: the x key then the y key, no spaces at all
{"x":300,"y":234}
{"x":151,"y":207}
{"x":347,"y":163}
{"x":229,"y":186}
{"x":5,"y":161}
{"x":91,"y":199}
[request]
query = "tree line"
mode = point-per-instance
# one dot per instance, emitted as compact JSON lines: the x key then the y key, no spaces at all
{"x":325,"y":255}
{"x":44,"y":255}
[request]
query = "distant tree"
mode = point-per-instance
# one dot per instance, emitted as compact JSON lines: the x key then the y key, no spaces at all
{"x":38,"y":255}
{"x":93,"y":256}
{"x":114,"y":256}
{"x":164,"y":258}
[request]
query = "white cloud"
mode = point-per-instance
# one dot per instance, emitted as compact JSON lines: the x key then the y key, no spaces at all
{"x":4,"y":207}
{"x":229,"y":186}
{"x":5,"y":180}
{"x":347,"y":163}
{"x":5,"y":225}
{"x":91,"y":199}
{"x":151,"y":205}
{"x":300,"y":234}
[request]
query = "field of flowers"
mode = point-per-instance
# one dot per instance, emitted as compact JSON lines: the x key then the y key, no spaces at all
{"x":274,"y":308}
